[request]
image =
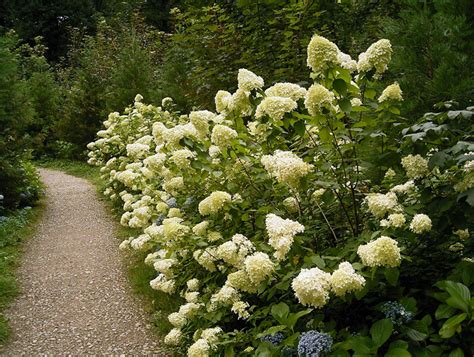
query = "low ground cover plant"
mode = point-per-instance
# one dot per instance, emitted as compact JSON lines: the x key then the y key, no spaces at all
{"x":302,"y":221}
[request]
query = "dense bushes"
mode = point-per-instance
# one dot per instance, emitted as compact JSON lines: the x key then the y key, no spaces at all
{"x":104,"y":76}
{"x":22,"y":105}
{"x":294,"y":219}
{"x":433,"y":52}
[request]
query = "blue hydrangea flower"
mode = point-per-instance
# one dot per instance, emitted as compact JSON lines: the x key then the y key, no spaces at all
{"x":397,"y":313}
{"x":160,"y":219}
{"x":274,"y":339}
{"x":312,"y":343}
{"x":172,"y":203}
{"x":188,"y":201}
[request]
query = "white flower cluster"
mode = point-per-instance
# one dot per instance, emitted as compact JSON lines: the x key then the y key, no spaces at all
{"x":286,"y":90}
{"x":396,"y":220}
{"x":379,"y":204}
{"x":281,"y":233}
{"x":391,"y":93}
{"x":235,"y":251}
{"x":275,"y":107}
{"x":377,"y":57}
{"x":322,"y":54}
{"x":248,"y":80}
{"x":345,"y":280}
{"x":383,"y":251}
{"x":286,"y":167}
{"x":222,"y":136}
{"x":185,"y":181}
{"x":415,"y":166}
{"x":214,"y":203}
{"x":420,"y":223}
{"x":319,"y":98}
{"x":312,"y":287}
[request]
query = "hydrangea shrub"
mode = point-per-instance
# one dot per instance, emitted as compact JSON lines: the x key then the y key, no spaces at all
{"x":266,"y":216}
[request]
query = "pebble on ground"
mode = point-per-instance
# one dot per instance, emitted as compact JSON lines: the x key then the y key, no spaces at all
{"x":75,"y":297}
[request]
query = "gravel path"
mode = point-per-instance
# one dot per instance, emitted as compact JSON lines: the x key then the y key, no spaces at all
{"x":76,"y":299}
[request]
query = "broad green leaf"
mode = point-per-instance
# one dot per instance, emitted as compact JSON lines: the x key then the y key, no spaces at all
{"x":444,"y":311}
{"x":361,"y":344}
{"x":280,"y":312}
{"x":398,"y":352}
{"x":272,"y":330}
{"x":300,"y":127}
{"x":392,"y":274}
{"x":381,"y":331}
{"x":450,"y":327}
{"x":460,"y":295}
{"x":416,"y":335}
{"x":457,"y":353}
{"x":345,"y":105}
{"x":399,"y":344}
{"x":340,"y":86}
{"x":293,"y":318}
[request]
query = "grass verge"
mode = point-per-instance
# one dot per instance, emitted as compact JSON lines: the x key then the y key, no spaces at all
{"x":14,"y":230}
{"x":156,"y":303}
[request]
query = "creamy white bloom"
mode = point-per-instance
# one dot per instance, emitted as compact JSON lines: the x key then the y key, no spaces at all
{"x":392,"y":92}
{"x":415,"y":166}
{"x":346,"y":62}
{"x":137,"y":150}
{"x":173,"y":338}
{"x":200,"y":348}
{"x":240,"y":309}
{"x":287,"y":90}
{"x":259,"y":267}
{"x":396,"y":220}
{"x":383,"y":251}
{"x":182,"y":157}
{"x":201,"y":228}
{"x":405,"y":188}
{"x":223,"y":100}
{"x":162,"y":283}
{"x":193,"y":284}
{"x":177,"y":320}
{"x":356,"y":102}
{"x":420,"y":223}
{"x":236,"y":250}
{"x":200,"y":119}
{"x":377,"y":57}
{"x":286,"y":167}
{"x":240,"y":280}
{"x":462,"y":233}
{"x":206,"y":258}
{"x":319,"y":98}
{"x":322,"y":54}
{"x":248,"y":80}
{"x":312,"y":287}
{"x":275,"y":107}
{"x":379,"y":204}
{"x":345,"y":280}
{"x":291,"y":204}
{"x":214,"y":203}
{"x":281,"y":234}
{"x":222,"y":135}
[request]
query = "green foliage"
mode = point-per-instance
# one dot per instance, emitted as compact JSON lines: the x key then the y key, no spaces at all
{"x":340,"y":136}
{"x":14,"y":228}
{"x":105,"y":76}
{"x":433,"y":52}
{"x":20,"y":104}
